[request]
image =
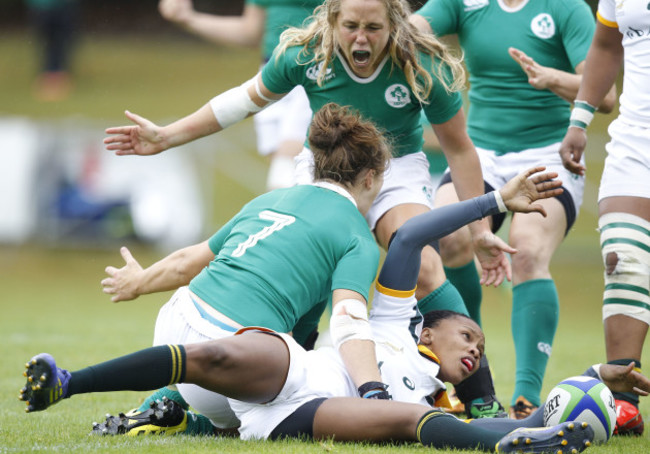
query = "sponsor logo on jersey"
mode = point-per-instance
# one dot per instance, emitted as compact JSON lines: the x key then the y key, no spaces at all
{"x":471,"y":5}
{"x":544,"y":348}
{"x":543,"y":26}
{"x":397,"y":95}
{"x":313,"y":72}
{"x":408,"y":383}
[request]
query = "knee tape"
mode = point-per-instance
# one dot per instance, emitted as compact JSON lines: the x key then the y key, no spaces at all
{"x":625,"y":247}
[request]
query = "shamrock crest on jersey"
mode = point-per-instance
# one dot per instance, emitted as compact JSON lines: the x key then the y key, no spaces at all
{"x":397,"y":95}
{"x":543,"y":26}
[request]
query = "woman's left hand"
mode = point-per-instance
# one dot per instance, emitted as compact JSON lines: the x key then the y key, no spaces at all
{"x":491,"y":253}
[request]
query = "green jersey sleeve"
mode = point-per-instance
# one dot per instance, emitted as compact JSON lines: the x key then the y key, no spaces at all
{"x":357,"y":269}
{"x":281,"y":74}
{"x":443,"y":16}
{"x":578,"y":26}
{"x":216,"y":241}
{"x":443,"y":105}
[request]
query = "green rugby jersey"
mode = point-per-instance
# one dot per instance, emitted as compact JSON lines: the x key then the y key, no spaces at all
{"x":284,"y":253}
{"x":506,"y":113}
{"x":280,"y":15}
{"x":385,"y":97}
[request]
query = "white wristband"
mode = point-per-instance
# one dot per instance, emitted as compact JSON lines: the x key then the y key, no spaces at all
{"x":582,"y":114}
{"x":500,"y":203}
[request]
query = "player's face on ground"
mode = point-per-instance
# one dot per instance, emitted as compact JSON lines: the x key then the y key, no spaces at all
{"x":362,"y":31}
{"x":458,"y":343}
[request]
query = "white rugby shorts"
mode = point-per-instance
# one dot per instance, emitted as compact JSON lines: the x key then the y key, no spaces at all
{"x":406,"y":180}
{"x":499,"y":168}
{"x":179,"y":322}
{"x":287,"y":119}
{"x":313,"y":374}
{"x":627,"y":166}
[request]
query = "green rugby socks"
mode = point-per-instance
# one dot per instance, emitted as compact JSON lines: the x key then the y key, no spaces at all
{"x":535,"y":315}
{"x":444,"y":297}
{"x":467,"y":281}
{"x":170,"y":392}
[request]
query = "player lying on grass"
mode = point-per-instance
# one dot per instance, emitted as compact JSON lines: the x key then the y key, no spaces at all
{"x":282,"y":390}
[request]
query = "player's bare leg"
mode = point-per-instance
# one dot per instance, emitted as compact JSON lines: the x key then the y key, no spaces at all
{"x":251,"y":367}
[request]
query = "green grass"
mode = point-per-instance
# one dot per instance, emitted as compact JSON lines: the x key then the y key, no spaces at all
{"x":52,"y":300}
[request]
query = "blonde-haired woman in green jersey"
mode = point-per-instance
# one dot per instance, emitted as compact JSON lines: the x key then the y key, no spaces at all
{"x":362,"y":53}
{"x":281,"y":129}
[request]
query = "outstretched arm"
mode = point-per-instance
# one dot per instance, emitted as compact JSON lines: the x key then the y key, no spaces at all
{"x":175,"y":270}
{"x":402,"y":263}
{"x":146,"y":138}
{"x":245,"y":30}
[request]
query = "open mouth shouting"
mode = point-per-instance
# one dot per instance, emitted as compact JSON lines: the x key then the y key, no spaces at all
{"x":361,"y":57}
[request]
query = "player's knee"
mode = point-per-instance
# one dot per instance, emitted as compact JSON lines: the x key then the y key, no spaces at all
{"x":456,"y":248}
{"x":211,"y":355}
{"x":625,"y":242}
{"x":526,"y":265}
{"x":611,"y":260}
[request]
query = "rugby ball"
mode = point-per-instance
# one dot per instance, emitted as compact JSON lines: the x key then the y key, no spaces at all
{"x":583,"y":399}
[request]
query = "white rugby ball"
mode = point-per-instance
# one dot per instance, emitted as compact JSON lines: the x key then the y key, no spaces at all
{"x":583,"y":399}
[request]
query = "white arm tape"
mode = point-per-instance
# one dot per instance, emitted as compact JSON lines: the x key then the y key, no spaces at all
{"x":582,"y":116}
{"x":258,"y":90}
{"x":500,"y":203}
{"x":349,"y":322}
{"x":233,"y":105}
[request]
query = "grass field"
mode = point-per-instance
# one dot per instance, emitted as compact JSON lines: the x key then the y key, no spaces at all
{"x":52,"y":299}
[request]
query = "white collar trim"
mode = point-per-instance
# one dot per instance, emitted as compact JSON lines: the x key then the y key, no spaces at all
{"x":354,"y":77}
{"x":336,"y":188}
{"x":510,"y":9}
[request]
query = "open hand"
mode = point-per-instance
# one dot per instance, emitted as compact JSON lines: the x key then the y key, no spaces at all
{"x":540,"y":77}
{"x":123,"y":282}
{"x":520,"y":192}
{"x":144,"y":138}
{"x":624,"y":379}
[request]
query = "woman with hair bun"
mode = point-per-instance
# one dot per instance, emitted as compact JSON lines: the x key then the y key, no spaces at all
{"x":279,"y":260}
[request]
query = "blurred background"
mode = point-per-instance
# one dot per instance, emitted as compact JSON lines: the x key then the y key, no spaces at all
{"x":69,"y":69}
{"x":67,"y":204}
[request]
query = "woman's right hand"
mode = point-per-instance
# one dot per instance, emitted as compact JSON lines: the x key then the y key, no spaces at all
{"x":144,"y":138}
{"x":572,"y":149}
